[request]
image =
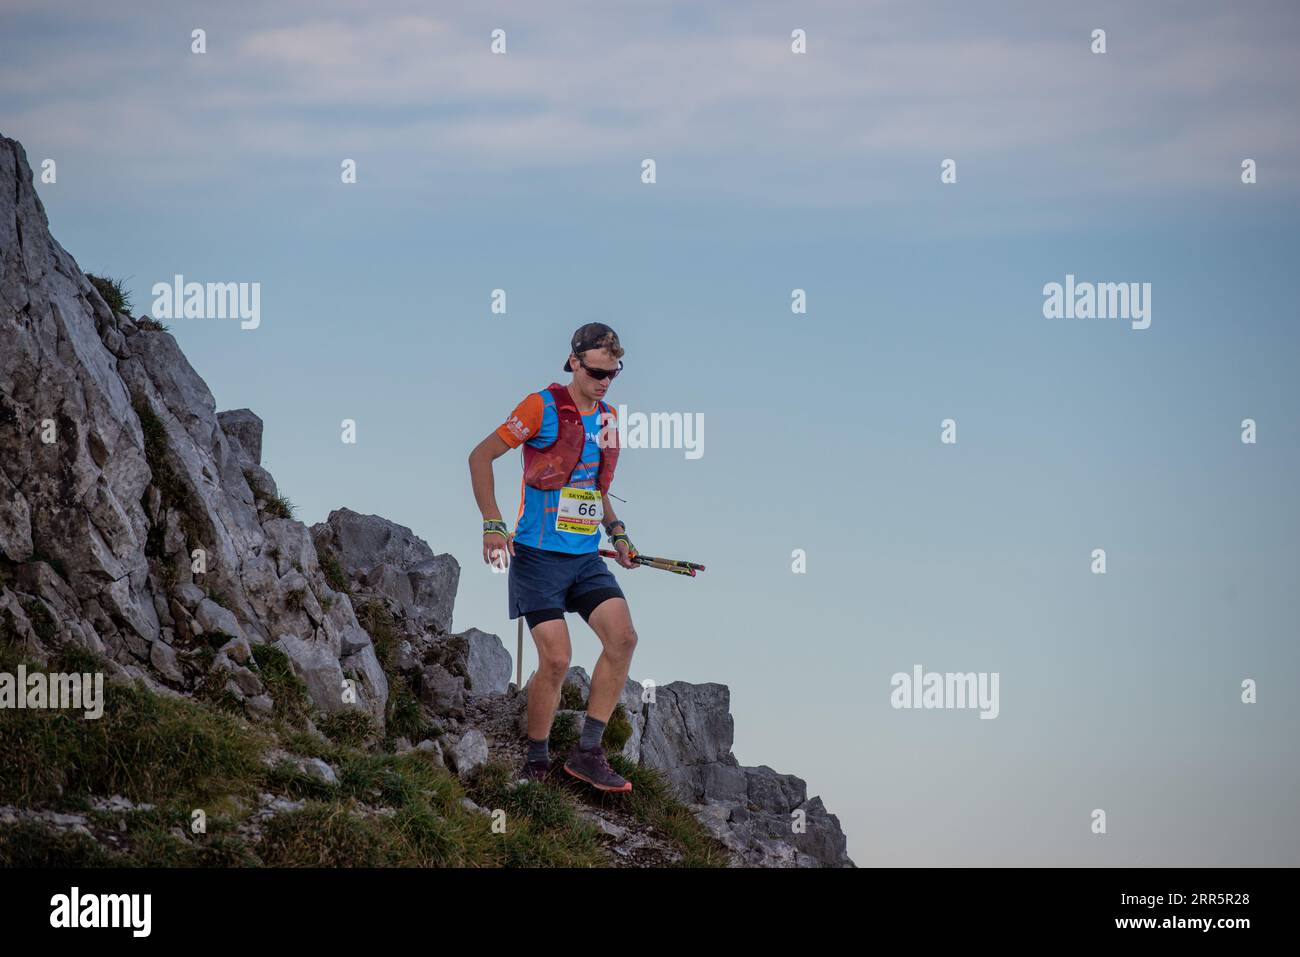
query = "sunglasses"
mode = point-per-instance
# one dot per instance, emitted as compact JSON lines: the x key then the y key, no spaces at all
{"x":601,"y":374}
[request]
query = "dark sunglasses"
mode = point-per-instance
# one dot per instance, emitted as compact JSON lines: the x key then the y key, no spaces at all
{"x":600,"y":374}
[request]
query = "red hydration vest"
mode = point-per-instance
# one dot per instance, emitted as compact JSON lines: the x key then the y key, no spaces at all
{"x":549,"y":467}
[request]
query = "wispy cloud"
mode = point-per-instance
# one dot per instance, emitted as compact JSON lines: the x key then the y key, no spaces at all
{"x":587,"y":84}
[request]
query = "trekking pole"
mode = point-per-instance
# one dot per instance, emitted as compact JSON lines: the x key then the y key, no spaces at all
{"x":664,"y":564}
{"x":519,"y":658}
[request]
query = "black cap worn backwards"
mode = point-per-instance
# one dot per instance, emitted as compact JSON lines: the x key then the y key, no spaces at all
{"x":586,"y":338}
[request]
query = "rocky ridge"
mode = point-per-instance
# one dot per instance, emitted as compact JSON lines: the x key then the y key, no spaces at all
{"x":138,"y":523}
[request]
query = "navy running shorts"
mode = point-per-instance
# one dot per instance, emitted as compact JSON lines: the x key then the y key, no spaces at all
{"x":545,"y":584}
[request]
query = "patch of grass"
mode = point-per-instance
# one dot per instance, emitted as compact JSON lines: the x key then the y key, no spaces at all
{"x":542,"y":825}
{"x":279,"y":507}
{"x":211,"y":685}
{"x":335,"y":577}
{"x":276,"y":505}
{"x":286,"y":689}
{"x":295,"y":599}
{"x":493,"y":785}
{"x":212,"y":691}
{"x":148,"y":841}
{"x":175,"y":493}
{"x":153,"y":847}
{"x":287,"y":778}
{"x":42,"y":620}
{"x":13,"y":651}
{"x":151,"y":325}
{"x":395,"y":780}
{"x":571,"y":697}
{"x":352,"y":727}
{"x":379,"y":624}
{"x":429,"y":828}
{"x":217,"y":595}
{"x":405,"y":717}
{"x":617,"y":730}
{"x":564,"y":733}
{"x":34,"y":844}
{"x":652,"y":802}
{"x":76,"y":659}
{"x":145,"y":747}
{"x":307,"y":744}
{"x":179,"y":754}
{"x":323,"y":835}
{"x":113,"y":291}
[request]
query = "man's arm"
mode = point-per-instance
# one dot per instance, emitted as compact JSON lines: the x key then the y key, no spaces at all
{"x":624,"y":548}
{"x":480,"y":474}
{"x":608,"y":509}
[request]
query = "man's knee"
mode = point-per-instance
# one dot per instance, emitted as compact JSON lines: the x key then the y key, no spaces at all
{"x":553,"y":650}
{"x":621,"y":641}
{"x":553,"y":664}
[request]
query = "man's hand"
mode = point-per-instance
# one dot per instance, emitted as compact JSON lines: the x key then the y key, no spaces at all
{"x":498,"y":549}
{"x":624,"y":555}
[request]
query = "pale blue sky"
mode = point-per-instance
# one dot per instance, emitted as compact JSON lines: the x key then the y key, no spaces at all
{"x":822,"y":431}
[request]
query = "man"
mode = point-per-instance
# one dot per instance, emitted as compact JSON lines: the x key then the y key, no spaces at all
{"x":563,"y":502}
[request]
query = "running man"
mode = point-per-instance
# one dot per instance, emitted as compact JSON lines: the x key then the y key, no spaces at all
{"x":557,"y":569}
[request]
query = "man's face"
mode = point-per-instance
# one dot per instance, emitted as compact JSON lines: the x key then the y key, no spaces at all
{"x":594,"y":359}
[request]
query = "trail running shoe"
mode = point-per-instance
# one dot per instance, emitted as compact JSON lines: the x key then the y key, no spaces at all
{"x":591,"y":765}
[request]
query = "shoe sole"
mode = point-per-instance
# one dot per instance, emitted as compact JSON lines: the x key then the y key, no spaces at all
{"x":598,"y":787}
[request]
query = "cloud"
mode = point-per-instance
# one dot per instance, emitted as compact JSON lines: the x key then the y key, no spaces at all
{"x":586,"y":84}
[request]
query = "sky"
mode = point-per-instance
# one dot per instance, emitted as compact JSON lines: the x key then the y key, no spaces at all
{"x":823,"y":430}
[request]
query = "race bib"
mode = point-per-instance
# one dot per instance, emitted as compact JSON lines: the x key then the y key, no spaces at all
{"x":580,"y":511}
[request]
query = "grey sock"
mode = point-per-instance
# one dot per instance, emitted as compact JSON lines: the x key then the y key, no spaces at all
{"x":592,"y":731}
{"x":538,"y":752}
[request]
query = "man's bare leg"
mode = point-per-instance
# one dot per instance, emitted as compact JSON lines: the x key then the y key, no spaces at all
{"x":612,"y":622}
{"x":553,"y":654}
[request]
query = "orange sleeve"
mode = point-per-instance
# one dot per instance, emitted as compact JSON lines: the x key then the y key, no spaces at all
{"x":524,"y":421}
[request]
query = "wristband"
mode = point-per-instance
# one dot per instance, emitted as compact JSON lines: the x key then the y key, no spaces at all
{"x":617,"y":521}
{"x":495,"y":526}
{"x":622,"y":537}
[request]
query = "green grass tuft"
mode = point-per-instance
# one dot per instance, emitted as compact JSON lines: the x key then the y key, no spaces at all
{"x":175,"y":493}
{"x":335,"y":577}
{"x":617,"y":730}
{"x":113,"y":291}
{"x":42,"y":620}
{"x":145,"y":747}
{"x":279,"y":507}
{"x":353,"y":727}
{"x":31,"y":844}
{"x":571,"y":698}
{"x":287,"y":690}
{"x":564,"y":733}
{"x":653,"y":803}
